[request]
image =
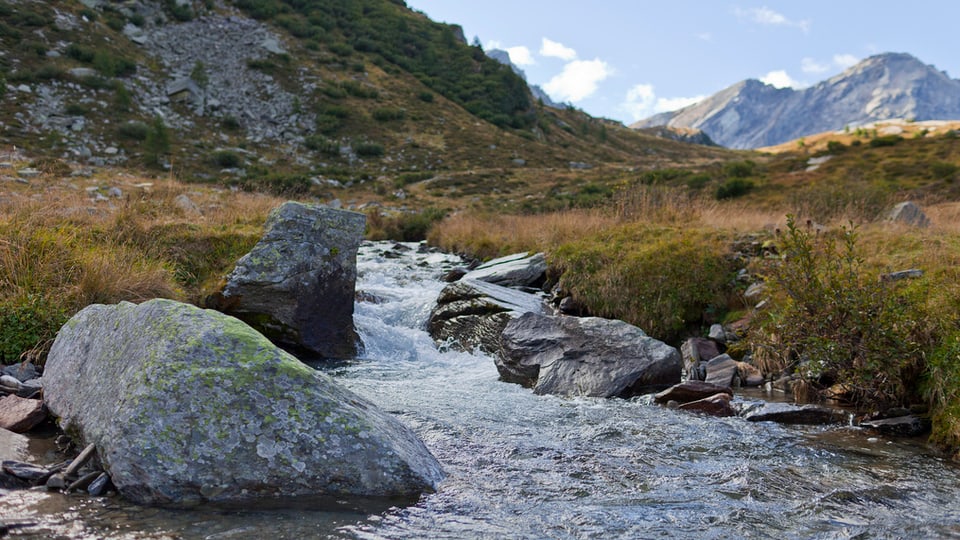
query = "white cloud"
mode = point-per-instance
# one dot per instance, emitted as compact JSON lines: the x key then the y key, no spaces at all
{"x":844,"y":61}
{"x":768,"y":17}
{"x":521,"y":56}
{"x":705,"y":36}
{"x":557,"y":50}
{"x":578,"y":80}
{"x":780,"y":79}
{"x":641,"y":102}
{"x":809,"y":65}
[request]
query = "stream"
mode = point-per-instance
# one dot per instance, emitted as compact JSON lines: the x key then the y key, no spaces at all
{"x":525,"y":466}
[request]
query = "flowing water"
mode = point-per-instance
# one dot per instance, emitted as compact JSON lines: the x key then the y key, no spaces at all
{"x":526,"y":466}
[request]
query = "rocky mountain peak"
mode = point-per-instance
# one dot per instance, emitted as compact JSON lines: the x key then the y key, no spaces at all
{"x":750,"y":114}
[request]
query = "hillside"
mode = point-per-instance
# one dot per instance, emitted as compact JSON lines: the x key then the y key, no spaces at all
{"x":751,"y":114}
{"x":320,"y":97}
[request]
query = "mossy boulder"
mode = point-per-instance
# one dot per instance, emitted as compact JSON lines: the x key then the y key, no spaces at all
{"x":187,"y":405}
{"x":297,"y":285}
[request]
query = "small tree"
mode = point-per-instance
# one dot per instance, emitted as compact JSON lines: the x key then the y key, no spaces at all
{"x":157,"y":143}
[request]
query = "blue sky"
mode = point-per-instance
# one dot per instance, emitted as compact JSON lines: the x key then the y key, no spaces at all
{"x":627,"y":60}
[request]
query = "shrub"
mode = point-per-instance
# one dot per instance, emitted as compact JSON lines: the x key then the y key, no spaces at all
{"x":122,"y":100}
{"x":80,"y":53}
{"x":658,"y":278}
{"x":76,"y":109}
{"x":226,"y":159}
{"x":831,"y":322}
{"x":835,"y":147}
{"x":112,"y":65}
{"x":387,"y":114}
{"x":27,"y":324}
{"x":408,"y":178}
{"x":157,"y":142}
{"x":425,"y":96}
{"x":405,"y":227}
{"x":943,"y":170}
{"x":134,"y":131}
{"x":319,"y":143}
{"x":886,"y":140}
{"x":230,"y":123}
{"x":369,"y":149}
{"x":356,"y":89}
{"x":739,"y":169}
{"x":733,"y":188}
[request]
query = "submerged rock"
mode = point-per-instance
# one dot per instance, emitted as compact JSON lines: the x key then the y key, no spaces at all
{"x":585,"y":356}
{"x":472,"y":314}
{"x":297,"y":284}
{"x":188,"y":405}
{"x":785,"y":413}
{"x":691,"y":391}
{"x":715,"y":405}
{"x":902,"y":426}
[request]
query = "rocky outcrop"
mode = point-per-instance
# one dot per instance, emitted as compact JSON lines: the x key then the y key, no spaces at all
{"x":472,"y":314}
{"x":297,"y":284}
{"x":588,"y":356}
{"x":186,"y":406}
{"x":751,"y":114}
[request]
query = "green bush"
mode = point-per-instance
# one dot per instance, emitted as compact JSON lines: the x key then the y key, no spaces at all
{"x":134,"y":131}
{"x":387,"y":114}
{"x":832,"y":322}
{"x":733,"y":188}
{"x":122,"y":99}
{"x":230,"y":123}
{"x":80,"y":53}
{"x":835,"y":147}
{"x":739,"y":169}
{"x":407,"y":178}
{"x":226,"y":159}
{"x":886,"y":140}
{"x":369,"y":149}
{"x":943,"y":170}
{"x":319,"y":143}
{"x":356,"y":89}
{"x":27,"y":323}
{"x":76,"y":109}
{"x":112,"y":65}
{"x":405,"y":227}
{"x":425,"y":96}
{"x":156,"y":143}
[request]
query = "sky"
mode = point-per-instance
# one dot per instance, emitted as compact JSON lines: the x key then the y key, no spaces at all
{"x":629,"y":59}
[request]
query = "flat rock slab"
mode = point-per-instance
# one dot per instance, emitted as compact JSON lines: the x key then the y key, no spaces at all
{"x":901,"y":426}
{"x":785,"y":413}
{"x":13,"y":446}
{"x":20,"y":415}
{"x":691,"y":391}
{"x":518,"y":270}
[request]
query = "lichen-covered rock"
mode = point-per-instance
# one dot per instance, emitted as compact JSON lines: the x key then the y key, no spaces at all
{"x":472,"y":314}
{"x":187,"y":405}
{"x":585,"y":356}
{"x":297,"y":284}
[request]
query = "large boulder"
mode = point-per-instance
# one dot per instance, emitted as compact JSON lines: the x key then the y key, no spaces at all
{"x":187,"y":405}
{"x":585,"y":356}
{"x":518,"y":270}
{"x":472,"y":314}
{"x":297,"y":284}
{"x":908,"y":213}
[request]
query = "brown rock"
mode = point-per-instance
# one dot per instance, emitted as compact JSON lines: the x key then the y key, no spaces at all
{"x":691,"y":391}
{"x":715,"y":405}
{"x":749,"y":374}
{"x":20,"y":415}
{"x":721,"y":370}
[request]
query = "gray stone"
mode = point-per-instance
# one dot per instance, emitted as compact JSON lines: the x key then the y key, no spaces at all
{"x":913,"y":273}
{"x":28,"y":472}
{"x":717,"y":333}
{"x":30,"y":389}
{"x":187,"y":406}
{"x":691,"y":391}
{"x":82,"y":72}
{"x":785,"y":413}
{"x":909,"y":213}
{"x":28,"y":173}
{"x":518,"y":270}
{"x":585,"y":356}
{"x":20,"y":415}
{"x":22,"y":371}
{"x":695,"y":352}
{"x":100,"y":485}
{"x":184,"y":203}
{"x":721,"y":370}
{"x":297,"y":284}
{"x":472,"y":314}
{"x":9,"y":384}
{"x":13,"y":446}
{"x":901,"y":426}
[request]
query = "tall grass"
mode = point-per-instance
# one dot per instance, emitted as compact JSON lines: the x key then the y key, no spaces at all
{"x":60,"y":251}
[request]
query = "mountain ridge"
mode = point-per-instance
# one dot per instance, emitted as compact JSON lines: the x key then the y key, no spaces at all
{"x":750,"y":114}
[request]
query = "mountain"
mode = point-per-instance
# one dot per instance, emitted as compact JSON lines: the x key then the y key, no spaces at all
{"x":540,"y":94}
{"x":751,"y":114}
{"x":286,"y":95}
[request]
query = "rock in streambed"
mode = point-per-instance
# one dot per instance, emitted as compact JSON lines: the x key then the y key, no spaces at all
{"x":187,"y":406}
